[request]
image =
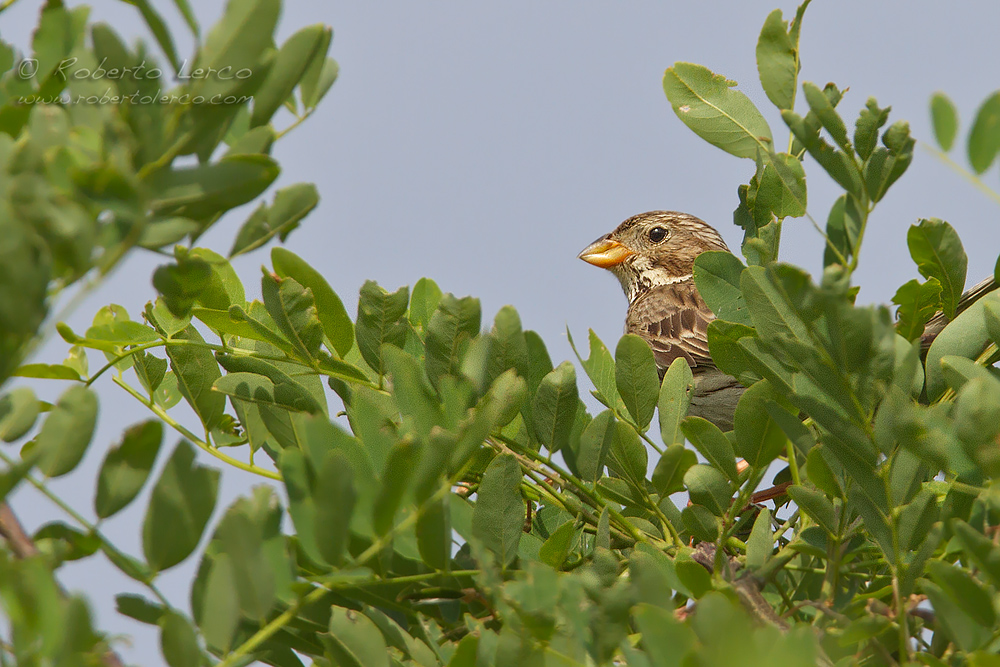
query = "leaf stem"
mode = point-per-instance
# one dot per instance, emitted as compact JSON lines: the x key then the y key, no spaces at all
{"x":298,"y":121}
{"x":963,"y":172}
{"x":173,"y":423}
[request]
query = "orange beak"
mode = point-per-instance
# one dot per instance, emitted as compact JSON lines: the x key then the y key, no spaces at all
{"x":605,"y":253}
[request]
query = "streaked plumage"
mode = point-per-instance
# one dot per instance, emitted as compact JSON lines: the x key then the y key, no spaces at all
{"x":665,"y":308}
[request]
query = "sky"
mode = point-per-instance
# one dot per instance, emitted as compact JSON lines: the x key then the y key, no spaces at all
{"x":485,"y":144}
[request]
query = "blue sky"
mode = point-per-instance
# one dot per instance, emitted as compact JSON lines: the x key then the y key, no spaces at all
{"x":484,"y":144}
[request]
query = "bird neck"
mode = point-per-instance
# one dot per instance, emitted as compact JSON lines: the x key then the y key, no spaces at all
{"x":636,"y":285}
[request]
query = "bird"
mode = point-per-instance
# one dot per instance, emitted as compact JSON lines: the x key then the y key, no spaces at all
{"x":652,"y":254}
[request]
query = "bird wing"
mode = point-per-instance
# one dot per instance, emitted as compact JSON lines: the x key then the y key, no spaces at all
{"x":673,"y":319}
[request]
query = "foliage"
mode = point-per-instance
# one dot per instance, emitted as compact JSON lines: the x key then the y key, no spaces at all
{"x":452,"y":501}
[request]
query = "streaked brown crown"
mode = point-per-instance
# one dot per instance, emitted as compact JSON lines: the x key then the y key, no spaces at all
{"x":656,"y":261}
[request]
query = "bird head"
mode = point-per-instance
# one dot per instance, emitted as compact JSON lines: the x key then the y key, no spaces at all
{"x":653,"y":249}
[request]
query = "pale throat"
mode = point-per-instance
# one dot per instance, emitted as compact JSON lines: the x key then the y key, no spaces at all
{"x":642,"y":276}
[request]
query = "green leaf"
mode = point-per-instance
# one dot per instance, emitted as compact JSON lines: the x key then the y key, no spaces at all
{"x":981,"y":549}
{"x":207,"y":190}
{"x":772,"y":308}
{"x":782,"y":188}
{"x":139,"y":608}
{"x":182,"y":283}
{"x":955,"y":623}
{"x":149,"y":369}
{"x":116,"y":334}
{"x":224,"y":288}
{"x":167,"y":231}
{"x":816,"y":506}
{"x":827,"y":115}
{"x":843,"y":228}
{"x":965,"y":591}
{"x":837,"y":164}
{"x":434,"y":534}
{"x":498,"y":515}
{"x":330,"y":309}
{"x":675,"y":398}
{"x":380,"y":321}
{"x":453,"y":325}
{"x":876,"y":522}
{"x":197,"y":370}
{"x":958,"y":371}
{"x":760,"y":544}
{"x":702,"y":523}
{"x":334,"y":495}
{"x":918,"y":302}
{"x":637,"y":379}
{"x":708,"y":487}
{"x":48,"y":372}
{"x":984,"y":137}
{"x":886,"y":165}
{"x":299,"y":480}
{"x":240,"y":537}
{"x":220,"y":611}
{"x":415,"y":397}
{"x":255,"y":388}
{"x":178,"y":641}
{"x":424,"y":301}
{"x":723,"y":117}
{"x":717,"y":275}
{"x":18,"y":412}
{"x":627,"y":456}
{"x":160,"y":31}
{"x":235,"y":42}
{"x":759,"y":439}
{"x":289,"y":66}
{"x":937,"y":250}
{"x":67,"y":431}
{"x":160,"y":317}
{"x":915,"y":520}
{"x":64,"y":542}
{"x":179,"y":508}
{"x":870,"y":121}
{"x":399,"y":468}
{"x":291,"y":204}
{"x":666,"y":640}
{"x":726,"y":342}
{"x":126,"y":467}
{"x":600,"y":368}
{"x":965,"y":336}
{"x":508,"y":344}
{"x":557,"y":547}
{"x":554,"y":408}
{"x":777,"y":61}
{"x":294,"y":312}
{"x":319,"y":77}
{"x":595,"y":441}
{"x":251,"y":142}
{"x":236,"y":322}
{"x":354,"y":640}
{"x":668,"y":476}
{"x":944,"y":118}
{"x":712,"y":444}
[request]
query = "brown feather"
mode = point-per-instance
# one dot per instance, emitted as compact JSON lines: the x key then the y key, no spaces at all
{"x":673,"y":319}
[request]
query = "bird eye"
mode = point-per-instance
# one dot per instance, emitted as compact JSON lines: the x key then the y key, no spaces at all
{"x":657,"y":234}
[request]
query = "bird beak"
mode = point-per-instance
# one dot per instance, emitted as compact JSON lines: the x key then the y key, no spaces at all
{"x":605,"y":253}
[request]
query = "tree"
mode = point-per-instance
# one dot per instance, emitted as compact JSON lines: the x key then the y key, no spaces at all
{"x":466,"y":508}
